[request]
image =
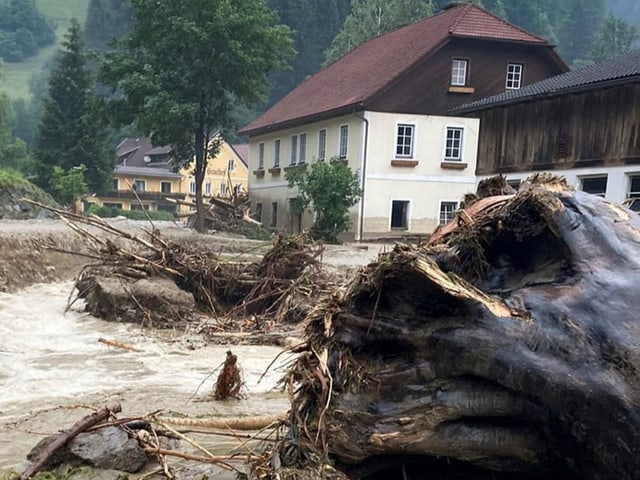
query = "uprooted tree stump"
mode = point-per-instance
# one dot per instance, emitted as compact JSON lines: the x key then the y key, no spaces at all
{"x":506,"y":347}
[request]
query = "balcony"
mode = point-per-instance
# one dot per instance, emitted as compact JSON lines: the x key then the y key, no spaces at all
{"x":153,"y":196}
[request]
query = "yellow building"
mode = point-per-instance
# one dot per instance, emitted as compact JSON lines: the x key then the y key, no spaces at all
{"x":145,"y":177}
{"x":227,"y":173}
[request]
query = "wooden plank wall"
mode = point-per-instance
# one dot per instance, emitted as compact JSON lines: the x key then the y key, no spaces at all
{"x":595,"y":128}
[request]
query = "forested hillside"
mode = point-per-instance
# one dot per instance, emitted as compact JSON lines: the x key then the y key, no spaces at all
{"x":627,"y":9}
{"x":23,"y":30}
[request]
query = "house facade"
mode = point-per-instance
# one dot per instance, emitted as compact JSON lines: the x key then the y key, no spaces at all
{"x":583,"y":125}
{"x":382,"y":109}
{"x":146,"y":177}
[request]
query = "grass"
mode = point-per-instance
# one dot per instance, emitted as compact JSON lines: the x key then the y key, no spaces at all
{"x":14,"y":77}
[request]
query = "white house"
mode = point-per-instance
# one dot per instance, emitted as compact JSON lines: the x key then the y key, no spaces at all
{"x":382,"y":109}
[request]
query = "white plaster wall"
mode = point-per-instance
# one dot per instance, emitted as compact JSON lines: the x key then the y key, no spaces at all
{"x":618,"y":178}
{"x":425,"y":185}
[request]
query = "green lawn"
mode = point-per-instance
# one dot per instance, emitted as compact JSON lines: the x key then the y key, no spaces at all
{"x":15,"y":76}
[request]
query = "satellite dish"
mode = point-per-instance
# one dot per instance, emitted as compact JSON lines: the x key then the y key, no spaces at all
{"x":147,"y":159}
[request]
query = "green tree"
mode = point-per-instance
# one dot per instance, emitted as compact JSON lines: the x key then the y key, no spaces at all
{"x":615,"y":37}
{"x":67,"y":185}
{"x":371,"y":18}
{"x":71,"y":131}
{"x":13,"y":152}
{"x":106,"y":20}
{"x":329,"y":190}
{"x":185,"y":65}
{"x":23,"y":29}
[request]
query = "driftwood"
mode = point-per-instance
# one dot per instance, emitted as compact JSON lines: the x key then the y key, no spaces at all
{"x":505,"y":348}
{"x":82,"y":425}
{"x":255,"y":422}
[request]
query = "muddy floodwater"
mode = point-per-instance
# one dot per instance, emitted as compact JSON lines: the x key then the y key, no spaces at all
{"x":52,"y":368}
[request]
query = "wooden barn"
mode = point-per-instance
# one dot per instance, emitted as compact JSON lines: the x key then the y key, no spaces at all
{"x":584,"y":124}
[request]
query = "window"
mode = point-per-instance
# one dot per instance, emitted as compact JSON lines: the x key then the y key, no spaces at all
{"x":515,"y":184}
{"x":274,"y":215}
{"x":237,"y":189}
{"x":207,"y":188}
{"x":447,"y":211}
{"x":459,"y":72}
{"x":595,"y":185}
{"x":294,"y":150}
{"x":139,"y":185}
{"x":276,"y":153}
{"x":112,"y":205}
{"x":404,"y":141}
{"x":303,"y":148}
{"x":634,"y":193}
{"x":322,"y":145}
{"x":453,"y":144}
{"x":223,"y":189}
{"x":114,"y":184}
{"x":135,"y":206}
{"x":514,"y":76}
{"x":192,"y":188}
{"x":261,"y":156}
{"x":400,"y":214}
{"x":344,"y":141}
{"x":165,"y":187}
{"x":257,"y":215}
{"x":231,"y":165}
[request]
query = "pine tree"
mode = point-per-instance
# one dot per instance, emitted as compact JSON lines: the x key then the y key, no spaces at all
{"x":107,"y":20}
{"x":615,"y":37}
{"x":70,"y":132}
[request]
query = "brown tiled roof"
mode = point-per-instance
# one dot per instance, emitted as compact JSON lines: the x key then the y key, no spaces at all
{"x":367,"y":69}
{"x":242,"y":150}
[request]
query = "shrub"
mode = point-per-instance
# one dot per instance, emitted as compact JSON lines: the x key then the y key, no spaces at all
{"x":108,"y":212}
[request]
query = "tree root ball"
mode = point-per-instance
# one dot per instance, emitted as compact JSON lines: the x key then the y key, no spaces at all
{"x":507,"y":346}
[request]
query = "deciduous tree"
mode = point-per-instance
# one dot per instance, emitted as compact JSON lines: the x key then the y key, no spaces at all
{"x":371,"y":18}
{"x":185,"y":65}
{"x":329,"y":190}
{"x":615,"y":37}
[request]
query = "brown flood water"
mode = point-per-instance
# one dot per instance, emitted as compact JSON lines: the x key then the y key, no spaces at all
{"x":52,"y":367}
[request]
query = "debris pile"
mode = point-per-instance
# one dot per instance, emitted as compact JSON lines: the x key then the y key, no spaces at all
{"x":505,"y":347}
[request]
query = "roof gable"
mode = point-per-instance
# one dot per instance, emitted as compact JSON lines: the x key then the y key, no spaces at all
{"x":356,"y":77}
{"x":618,"y":68}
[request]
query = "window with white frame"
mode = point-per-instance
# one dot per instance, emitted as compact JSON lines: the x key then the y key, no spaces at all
{"x":165,"y":187}
{"x":192,"y":188}
{"x":207,"y":188}
{"x":596,"y":185}
{"x":294,"y":150}
{"x":322,"y":145}
{"x":400,"y":214}
{"x":447,"y":211}
{"x":514,"y":76}
{"x":139,"y":185}
{"x":276,"y":153}
{"x":453,"y":144}
{"x":404,"y":140}
{"x":302,"y":157}
{"x":261,"y":156}
{"x":231,"y":164}
{"x":344,"y":141}
{"x":223,"y":189}
{"x":634,"y":192}
{"x":459,"y":72}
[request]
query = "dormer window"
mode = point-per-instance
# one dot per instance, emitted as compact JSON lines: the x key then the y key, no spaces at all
{"x":514,"y":76}
{"x":459,"y":72}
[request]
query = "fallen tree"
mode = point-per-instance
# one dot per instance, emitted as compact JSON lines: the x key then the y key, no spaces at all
{"x":505,"y":347}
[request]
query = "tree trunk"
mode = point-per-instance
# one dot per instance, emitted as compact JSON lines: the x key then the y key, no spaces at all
{"x":201,"y":156}
{"x":509,"y":347}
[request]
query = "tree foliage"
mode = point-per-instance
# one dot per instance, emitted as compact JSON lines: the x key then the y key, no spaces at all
{"x":329,"y":190}
{"x":68,"y":184}
{"x":371,"y":18}
{"x":615,"y":38}
{"x":185,"y":65}
{"x":71,"y":131}
{"x":23,"y":30}
{"x":13,"y":152}
{"x":106,"y":20}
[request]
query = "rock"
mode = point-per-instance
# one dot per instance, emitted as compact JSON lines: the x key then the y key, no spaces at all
{"x":107,"y":448}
